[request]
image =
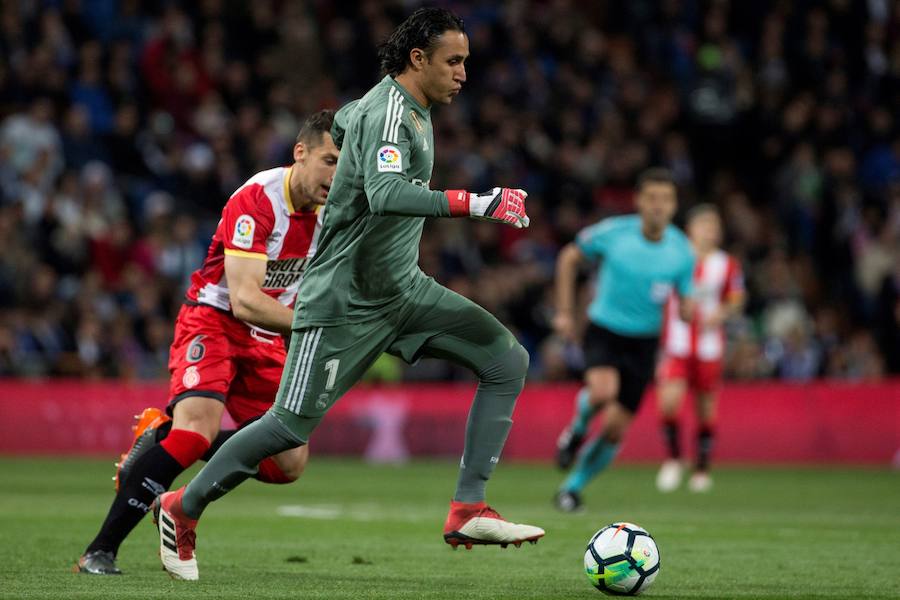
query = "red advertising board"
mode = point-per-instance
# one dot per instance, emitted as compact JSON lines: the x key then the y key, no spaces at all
{"x":826,"y":422}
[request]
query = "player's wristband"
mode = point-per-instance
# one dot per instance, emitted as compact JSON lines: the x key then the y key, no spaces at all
{"x":458,"y":202}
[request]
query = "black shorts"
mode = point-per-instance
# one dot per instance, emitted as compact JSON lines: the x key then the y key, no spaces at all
{"x":633,"y":357}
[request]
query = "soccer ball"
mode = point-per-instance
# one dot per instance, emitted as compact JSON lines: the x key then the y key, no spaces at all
{"x":621,"y":559}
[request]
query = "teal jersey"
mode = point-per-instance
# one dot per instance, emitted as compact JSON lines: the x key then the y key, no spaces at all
{"x":636,"y":275}
{"x":367,"y":252}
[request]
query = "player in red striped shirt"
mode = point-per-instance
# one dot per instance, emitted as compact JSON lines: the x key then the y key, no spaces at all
{"x":228,"y":352}
{"x":693,"y":351}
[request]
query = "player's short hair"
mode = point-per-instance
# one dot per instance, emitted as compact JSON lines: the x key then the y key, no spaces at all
{"x":704,"y":208}
{"x":655,"y":175}
{"x":420,"y":30}
{"x":314,"y":127}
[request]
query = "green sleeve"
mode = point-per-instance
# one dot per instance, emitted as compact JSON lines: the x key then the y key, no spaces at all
{"x":341,"y":119}
{"x":385,"y":167}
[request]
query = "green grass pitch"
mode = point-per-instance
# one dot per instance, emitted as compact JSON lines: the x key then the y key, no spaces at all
{"x":351,"y":530}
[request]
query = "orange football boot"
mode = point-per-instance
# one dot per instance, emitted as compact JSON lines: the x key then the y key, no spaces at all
{"x":147,"y":429}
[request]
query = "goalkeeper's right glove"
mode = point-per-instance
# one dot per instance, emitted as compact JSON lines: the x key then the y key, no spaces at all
{"x":505,"y":205}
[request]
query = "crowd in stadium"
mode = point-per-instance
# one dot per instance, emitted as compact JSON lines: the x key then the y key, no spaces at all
{"x":125,"y":127}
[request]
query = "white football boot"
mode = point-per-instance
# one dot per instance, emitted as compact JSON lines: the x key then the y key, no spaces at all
{"x":669,"y":477}
{"x":700,"y":482}
{"x":177,"y":538}
{"x":479,"y":524}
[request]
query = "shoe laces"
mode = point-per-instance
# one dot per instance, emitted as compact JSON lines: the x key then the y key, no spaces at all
{"x":187,"y":539}
{"x":490,"y":513}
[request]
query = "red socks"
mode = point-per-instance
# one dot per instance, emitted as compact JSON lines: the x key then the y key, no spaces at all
{"x":185,"y":446}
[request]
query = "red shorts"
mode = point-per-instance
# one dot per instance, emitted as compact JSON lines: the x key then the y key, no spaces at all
{"x":216,"y":356}
{"x":700,"y":375}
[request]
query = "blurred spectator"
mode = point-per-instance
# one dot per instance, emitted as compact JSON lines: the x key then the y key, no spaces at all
{"x":125,"y":126}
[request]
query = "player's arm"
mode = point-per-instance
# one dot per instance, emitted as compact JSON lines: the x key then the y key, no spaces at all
{"x":245,"y":275}
{"x":734,"y":300}
{"x":396,"y":196}
{"x":591,"y":243}
{"x":392,"y":194}
{"x":686,"y":308}
{"x":733,"y":304}
{"x":684,"y":286}
{"x":385,"y":165}
{"x":567,"y":263}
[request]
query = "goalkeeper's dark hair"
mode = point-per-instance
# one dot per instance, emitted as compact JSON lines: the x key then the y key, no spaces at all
{"x":420,"y":30}
{"x":655,"y":175}
{"x":315,"y":127}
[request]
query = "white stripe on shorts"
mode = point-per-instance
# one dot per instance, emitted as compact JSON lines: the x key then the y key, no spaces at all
{"x":297,"y":368}
{"x":298,"y":383}
{"x":312,"y":356}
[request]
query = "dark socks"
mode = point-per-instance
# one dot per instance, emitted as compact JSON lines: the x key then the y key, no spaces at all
{"x":705,"y":436}
{"x":670,"y":434}
{"x":217,"y":443}
{"x":151,"y":475}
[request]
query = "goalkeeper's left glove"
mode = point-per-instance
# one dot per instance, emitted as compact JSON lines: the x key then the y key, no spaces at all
{"x":505,"y":205}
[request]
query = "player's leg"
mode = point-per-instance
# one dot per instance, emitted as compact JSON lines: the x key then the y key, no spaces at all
{"x":706,"y":402}
{"x":671,"y":389}
{"x":253,"y":392}
{"x":600,"y":387}
{"x":446,"y":325}
{"x":285,"y":467}
{"x":151,"y":426}
{"x":201,"y":370}
{"x":635,"y":361}
{"x":571,"y":438}
{"x":100,"y":556}
{"x":195,"y":422}
{"x":322,"y":364}
{"x":604,"y":385}
{"x":237,"y":460}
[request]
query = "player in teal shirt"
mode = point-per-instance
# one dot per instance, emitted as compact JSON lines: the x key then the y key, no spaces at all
{"x":636,"y":269}
{"x":643,"y":258}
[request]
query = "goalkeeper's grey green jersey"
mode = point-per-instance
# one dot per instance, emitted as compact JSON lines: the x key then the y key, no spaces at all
{"x":368,"y":248}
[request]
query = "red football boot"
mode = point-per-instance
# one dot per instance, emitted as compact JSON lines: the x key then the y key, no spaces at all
{"x":478,"y":523}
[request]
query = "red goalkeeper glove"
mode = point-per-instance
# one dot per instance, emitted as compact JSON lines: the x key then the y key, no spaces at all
{"x":505,"y":205}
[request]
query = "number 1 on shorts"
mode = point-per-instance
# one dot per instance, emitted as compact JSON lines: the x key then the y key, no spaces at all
{"x":332,"y":368}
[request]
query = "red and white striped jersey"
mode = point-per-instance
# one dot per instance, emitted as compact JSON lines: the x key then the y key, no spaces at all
{"x":717,"y":277}
{"x":259,"y":221}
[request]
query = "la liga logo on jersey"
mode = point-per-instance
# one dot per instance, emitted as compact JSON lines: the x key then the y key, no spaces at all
{"x":243,"y":232}
{"x":390,"y":160}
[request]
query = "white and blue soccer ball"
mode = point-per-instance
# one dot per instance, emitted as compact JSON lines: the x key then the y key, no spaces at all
{"x":621,"y":559}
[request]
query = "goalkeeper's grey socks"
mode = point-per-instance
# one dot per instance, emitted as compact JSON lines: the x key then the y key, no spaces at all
{"x":236,"y":461}
{"x":489,"y":421}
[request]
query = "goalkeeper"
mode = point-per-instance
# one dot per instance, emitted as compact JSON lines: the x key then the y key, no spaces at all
{"x":364,"y":294}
